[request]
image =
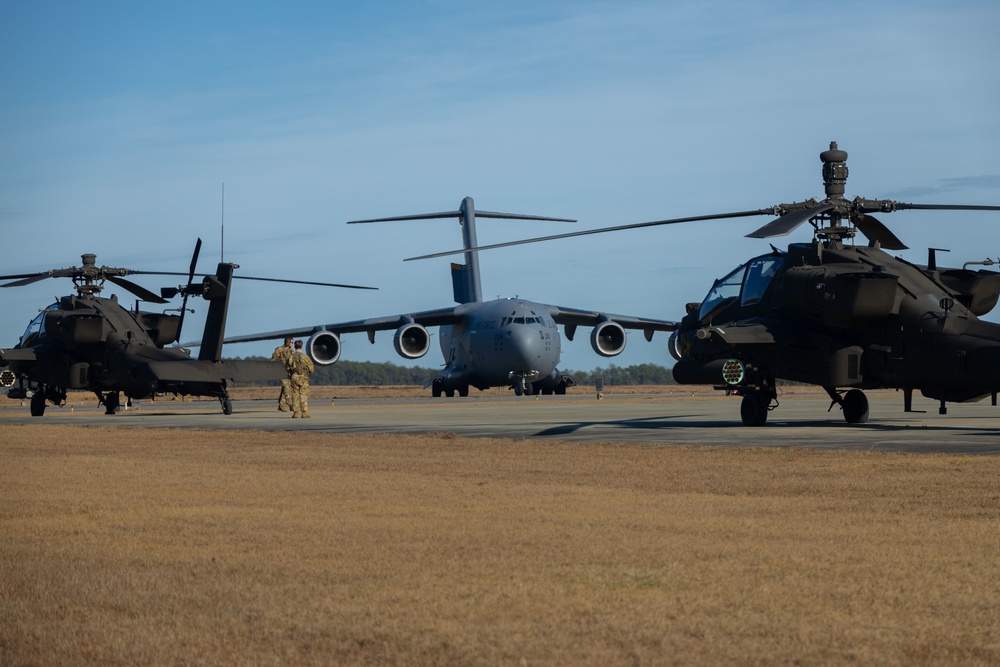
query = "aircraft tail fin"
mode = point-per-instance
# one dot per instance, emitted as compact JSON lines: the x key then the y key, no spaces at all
{"x":465,"y":278}
{"x":216,"y":292}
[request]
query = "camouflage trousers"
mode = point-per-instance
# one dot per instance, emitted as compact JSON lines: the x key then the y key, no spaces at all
{"x":285,"y":397}
{"x":300,"y":393}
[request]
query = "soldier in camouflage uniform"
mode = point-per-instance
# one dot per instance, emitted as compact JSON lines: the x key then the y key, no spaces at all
{"x":299,"y":367}
{"x":281,"y":354}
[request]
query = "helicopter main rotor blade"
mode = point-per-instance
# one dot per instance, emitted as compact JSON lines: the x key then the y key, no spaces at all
{"x":901,"y":206}
{"x":303,"y":282}
{"x":271,"y":280}
{"x":788,"y":222}
{"x":33,"y":278}
{"x":137,"y":290}
{"x":874,"y":230}
{"x":586,"y":232}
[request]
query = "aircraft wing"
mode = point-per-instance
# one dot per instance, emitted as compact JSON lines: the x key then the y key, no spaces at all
{"x":573,"y":317}
{"x":427,"y":318}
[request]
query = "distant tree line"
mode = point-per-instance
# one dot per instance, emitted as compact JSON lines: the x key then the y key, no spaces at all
{"x":625,"y":375}
{"x":369,"y":373}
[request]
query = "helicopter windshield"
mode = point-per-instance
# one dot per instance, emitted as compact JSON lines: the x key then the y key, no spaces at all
{"x":37,"y":327}
{"x":760,"y":273}
{"x":724,"y":289}
{"x":748,"y":282}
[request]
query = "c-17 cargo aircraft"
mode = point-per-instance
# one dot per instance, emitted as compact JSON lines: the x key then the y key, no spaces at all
{"x":508,"y":342}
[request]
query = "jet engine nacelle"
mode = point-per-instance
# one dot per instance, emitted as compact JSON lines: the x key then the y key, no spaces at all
{"x":323,"y":347}
{"x":608,"y":339}
{"x":411,"y":341}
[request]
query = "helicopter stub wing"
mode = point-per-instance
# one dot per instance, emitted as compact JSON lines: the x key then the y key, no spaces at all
{"x":17,"y":354}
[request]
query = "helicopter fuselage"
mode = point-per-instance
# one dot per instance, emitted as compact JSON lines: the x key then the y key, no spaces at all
{"x":844,"y":317}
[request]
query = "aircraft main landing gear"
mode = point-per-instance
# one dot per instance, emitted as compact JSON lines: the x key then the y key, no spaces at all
{"x":754,"y":407}
{"x":854,"y":404}
{"x":37,"y":406}
{"x":112,"y":400}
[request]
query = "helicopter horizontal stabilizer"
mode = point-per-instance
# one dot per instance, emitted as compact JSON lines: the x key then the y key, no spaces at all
{"x":195,"y":371}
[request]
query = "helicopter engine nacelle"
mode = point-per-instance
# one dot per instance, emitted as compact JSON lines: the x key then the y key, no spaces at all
{"x":840,"y":295}
{"x":608,"y":339}
{"x":411,"y":341}
{"x":323,"y":347}
{"x":674,"y":346}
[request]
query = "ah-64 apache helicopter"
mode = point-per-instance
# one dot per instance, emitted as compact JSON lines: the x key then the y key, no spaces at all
{"x":84,"y":341}
{"x":834,"y":314}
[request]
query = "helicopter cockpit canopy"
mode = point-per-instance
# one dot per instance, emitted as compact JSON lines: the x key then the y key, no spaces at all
{"x":747,"y":282}
{"x":36,"y":329}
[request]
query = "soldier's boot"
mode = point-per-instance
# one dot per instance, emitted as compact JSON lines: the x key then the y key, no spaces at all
{"x":295,"y":414}
{"x":305,"y":415}
{"x":282,"y":408}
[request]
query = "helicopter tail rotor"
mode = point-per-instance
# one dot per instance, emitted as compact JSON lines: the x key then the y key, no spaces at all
{"x":187,"y":290}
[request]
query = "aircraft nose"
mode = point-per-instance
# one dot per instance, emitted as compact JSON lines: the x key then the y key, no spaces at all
{"x":525,"y":348}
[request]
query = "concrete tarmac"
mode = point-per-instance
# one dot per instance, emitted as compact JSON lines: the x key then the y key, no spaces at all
{"x":703,"y":419}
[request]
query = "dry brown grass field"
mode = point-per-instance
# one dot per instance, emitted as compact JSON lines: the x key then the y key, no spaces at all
{"x":131,"y":546}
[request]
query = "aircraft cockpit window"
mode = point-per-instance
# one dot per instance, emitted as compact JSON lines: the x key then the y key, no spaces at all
{"x":760,"y":273}
{"x":36,"y":329}
{"x":518,"y":320}
{"x":727,"y":288}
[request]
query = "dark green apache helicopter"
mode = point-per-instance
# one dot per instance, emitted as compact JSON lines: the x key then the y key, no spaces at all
{"x":84,"y":341}
{"x":837,"y":315}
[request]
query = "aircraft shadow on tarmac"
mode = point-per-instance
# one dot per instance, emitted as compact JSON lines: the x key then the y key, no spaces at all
{"x":668,"y":423}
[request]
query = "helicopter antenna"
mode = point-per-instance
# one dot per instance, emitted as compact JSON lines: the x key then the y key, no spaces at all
{"x":222,"y":244}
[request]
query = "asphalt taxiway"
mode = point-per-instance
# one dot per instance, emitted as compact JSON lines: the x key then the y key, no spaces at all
{"x":711,"y":419}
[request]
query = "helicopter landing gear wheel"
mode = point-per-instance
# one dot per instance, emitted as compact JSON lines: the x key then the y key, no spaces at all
{"x":855,"y":406}
{"x":37,"y":406}
{"x":111,"y":402}
{"x":753,"y":409}
{"x":227,"y":406}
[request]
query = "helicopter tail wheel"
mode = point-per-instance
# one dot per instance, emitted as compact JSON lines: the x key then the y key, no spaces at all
{"x":855,"y":406}
{"x":37,"y":406}
{"x":753,"y":409}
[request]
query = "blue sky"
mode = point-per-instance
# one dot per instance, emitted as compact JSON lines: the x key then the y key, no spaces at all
{"x":120,"y":122}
